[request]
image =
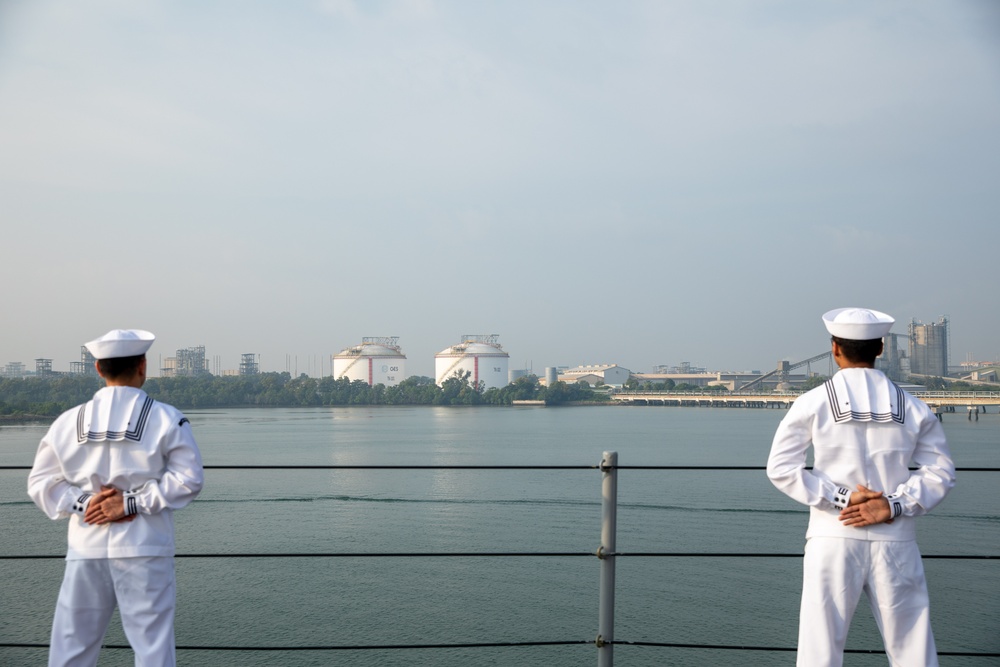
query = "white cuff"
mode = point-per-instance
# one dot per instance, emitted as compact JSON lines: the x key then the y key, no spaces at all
{"x":895,"y":505}
{"x":131,"y":502}
{"x":841,"y":497}
{"x":81,"y":504}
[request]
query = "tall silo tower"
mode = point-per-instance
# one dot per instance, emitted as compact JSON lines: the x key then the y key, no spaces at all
{"x":377,"y":360}
{"x":478,"y":354}
{"x":929,"y":348}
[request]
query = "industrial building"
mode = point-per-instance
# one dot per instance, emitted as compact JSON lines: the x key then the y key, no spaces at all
{"x":478,"y":354}
{"x":377,"y":360}
{"x":86,"y":364}
{"x":611,"y":375}
{"x":14,"y":369}
{"x":249,"y":364}
{"x":929,"y":348}
{"x":683,"y":368}
{"x":730,"y":381}
{"x":189,"y":362}
{"x":515,"y":374}
{"x":894,"y":361}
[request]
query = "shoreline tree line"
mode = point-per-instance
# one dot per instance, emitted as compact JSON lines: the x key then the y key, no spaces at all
{"x":49,"y":396}
{"x":37,"y":397}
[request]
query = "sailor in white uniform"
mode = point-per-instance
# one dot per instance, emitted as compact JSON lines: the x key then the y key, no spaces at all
{"x":863,"y":499}
{"x":117,"y":467}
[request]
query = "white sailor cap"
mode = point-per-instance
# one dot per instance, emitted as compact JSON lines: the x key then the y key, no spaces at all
{"x":857,"y":323}
{"x":120,"y":343}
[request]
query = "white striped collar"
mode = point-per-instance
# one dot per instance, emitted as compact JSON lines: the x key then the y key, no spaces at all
{"x":865,"y":394}
{"x":115,"y":413}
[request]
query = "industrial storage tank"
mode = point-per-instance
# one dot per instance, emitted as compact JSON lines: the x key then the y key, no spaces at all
{"x":479,"y":355}
{"x":378,"y":360}
{"x":516,"y":374}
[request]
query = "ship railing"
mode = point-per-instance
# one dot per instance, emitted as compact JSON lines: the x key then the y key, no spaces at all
{"x":606,"y":553}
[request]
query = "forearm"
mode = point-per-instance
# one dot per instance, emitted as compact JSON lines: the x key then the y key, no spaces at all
{"x":180,"y":483}
{"x":172,"y":491}
{"x":934,"y":477}
{"x":60,"y":499}
{"x":786,"y":468}
{"x":811,"y":490}
{"x":49,"y":489}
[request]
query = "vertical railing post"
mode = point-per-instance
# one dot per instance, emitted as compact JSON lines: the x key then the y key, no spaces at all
{"x":609,"y":528}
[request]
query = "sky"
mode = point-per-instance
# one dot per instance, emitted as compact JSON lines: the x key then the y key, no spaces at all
{"x":629,"y":182}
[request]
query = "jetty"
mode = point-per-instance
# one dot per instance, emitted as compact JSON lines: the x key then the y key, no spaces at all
{"x":974,"y":402}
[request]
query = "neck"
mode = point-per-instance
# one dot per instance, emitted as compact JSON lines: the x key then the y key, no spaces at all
{"x":134,"y":381}
{"x":843,"y":361}
{"x":853,"y":364}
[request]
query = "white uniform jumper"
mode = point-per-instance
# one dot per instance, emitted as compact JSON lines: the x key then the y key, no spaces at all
{"x":863,"y":430}
{"x":125,"y":439}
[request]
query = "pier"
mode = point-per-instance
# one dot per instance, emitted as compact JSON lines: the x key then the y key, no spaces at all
{"x":706,"y":399}
{"x":974,"y":402}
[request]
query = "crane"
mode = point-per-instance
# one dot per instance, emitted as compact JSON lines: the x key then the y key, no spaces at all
{"x":782,"y":369}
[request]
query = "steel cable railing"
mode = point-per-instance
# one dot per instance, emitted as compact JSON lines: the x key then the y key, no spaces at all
{"x":604,"y":555}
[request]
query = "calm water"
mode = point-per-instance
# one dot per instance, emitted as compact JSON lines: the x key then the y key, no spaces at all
{"x":348,"y":601}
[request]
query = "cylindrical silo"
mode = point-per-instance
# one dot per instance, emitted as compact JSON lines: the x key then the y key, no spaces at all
{"x":377,"y":360}
{"x":479,"y":355}
{"x":551,"y":375}
{"x":516,"y":373}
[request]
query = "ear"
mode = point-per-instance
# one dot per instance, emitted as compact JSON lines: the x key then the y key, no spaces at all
{"x":140,"y":372}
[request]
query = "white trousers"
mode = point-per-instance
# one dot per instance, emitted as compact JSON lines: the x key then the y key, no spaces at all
{"x":145,"y":593}
{"x":891,"y":574}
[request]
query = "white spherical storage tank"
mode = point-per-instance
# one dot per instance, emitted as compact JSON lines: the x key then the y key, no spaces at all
{"x":479,"y":355}
{"x":378,"y":360}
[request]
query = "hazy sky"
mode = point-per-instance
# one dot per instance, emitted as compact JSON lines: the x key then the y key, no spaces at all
{"x":622,"y":182}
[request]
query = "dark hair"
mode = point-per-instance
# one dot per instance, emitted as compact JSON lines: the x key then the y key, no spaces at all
{"x":112,"y":369}
{"x":859,"y":351}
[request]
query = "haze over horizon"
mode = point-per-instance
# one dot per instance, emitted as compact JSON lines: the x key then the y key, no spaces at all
{"x":639,"y":182}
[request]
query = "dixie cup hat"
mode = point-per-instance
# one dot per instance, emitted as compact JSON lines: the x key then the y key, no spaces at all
{"x":857,"y":323}
{"x":120,"y":343}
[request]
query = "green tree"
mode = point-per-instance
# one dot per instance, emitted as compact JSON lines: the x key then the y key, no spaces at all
{"x":813,"y":381}
{"x":932,"y":383}
{"x":457,"y":390}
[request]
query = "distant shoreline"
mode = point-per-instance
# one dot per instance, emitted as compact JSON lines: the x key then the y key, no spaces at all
{"x":15,"y":420}
{"x":25,"y":419}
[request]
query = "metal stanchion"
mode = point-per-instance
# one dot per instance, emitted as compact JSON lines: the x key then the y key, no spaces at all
{"x":609,"y":528}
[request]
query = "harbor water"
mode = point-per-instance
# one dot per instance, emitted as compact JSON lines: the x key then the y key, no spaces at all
{"x":322,"y":601}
